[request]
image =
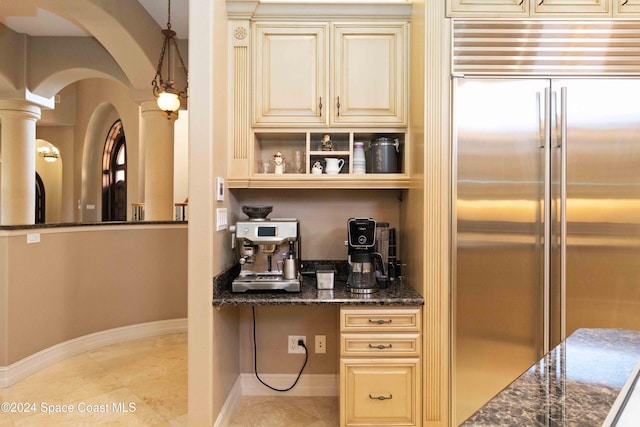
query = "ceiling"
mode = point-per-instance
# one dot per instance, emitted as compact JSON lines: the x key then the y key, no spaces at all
{"x":22,"y":17}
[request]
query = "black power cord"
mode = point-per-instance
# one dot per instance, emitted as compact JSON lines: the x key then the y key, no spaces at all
{"x":255,"y":357}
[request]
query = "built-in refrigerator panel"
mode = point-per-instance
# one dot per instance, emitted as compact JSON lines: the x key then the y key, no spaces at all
{"x":499,"y":196}
{"x":602,"y":203}
{"x":547,"y":222}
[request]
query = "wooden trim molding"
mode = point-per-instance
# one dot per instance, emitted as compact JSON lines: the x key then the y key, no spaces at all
{"x":437,"y":215}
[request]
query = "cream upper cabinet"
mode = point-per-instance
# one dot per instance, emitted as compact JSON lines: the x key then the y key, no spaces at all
{"x":487,"y":7}
{"x":369,"y":82}
{"x":290,"y":74}
{"x":529,"y":8}
{"x":320,"y":74}
{"x":626,"y":8}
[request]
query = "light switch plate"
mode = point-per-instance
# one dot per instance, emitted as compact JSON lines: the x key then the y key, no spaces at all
{"x":220,"y":189}
{"x":221,"y":219}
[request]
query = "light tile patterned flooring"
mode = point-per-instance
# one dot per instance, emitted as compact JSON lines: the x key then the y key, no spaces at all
{"x":284,"y":411}
{"x":150,"y":375}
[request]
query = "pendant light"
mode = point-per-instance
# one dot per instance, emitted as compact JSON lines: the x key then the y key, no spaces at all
{"x":168,"y":97}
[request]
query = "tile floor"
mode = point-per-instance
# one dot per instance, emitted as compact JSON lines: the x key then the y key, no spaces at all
{"x":147,"y":378}
{"x":284,"y":411}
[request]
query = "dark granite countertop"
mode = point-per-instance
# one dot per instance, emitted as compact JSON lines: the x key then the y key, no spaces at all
{"x":575,"y":384}
{"x":84,"y":224}
{"x":398,"y":293}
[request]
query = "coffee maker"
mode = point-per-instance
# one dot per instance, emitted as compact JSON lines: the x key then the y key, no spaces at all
{"x":268,"y":252}
{"x":366,"y":265}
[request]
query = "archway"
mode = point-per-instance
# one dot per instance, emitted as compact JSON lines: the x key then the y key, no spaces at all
{"x":114,"y":175}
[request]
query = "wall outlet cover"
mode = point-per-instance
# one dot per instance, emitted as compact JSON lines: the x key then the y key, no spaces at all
{"x":292,"y":344}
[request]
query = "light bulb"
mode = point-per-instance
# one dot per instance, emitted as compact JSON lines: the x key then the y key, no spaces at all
{"x":168,"y":101}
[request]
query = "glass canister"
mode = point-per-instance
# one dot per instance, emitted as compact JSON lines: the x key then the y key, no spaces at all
{"x":359,"y":162}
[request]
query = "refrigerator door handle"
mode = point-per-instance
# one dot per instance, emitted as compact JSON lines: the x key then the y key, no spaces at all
{"x":563,"y":212}
{"x":547,"y":113}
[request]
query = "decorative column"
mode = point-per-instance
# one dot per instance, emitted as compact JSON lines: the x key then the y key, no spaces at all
{"x":157,"y":136}
{"x":18,"y":147}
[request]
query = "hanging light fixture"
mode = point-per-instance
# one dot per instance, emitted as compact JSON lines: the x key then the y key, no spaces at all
{"x":168,"y":97}
{"x":49,"y":153}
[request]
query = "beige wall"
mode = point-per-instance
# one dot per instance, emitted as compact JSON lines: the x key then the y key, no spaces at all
{"x":323,"y":214}
{"x":275,"y":324}
{"x":81,"y":280}
{"x":213,"y":333}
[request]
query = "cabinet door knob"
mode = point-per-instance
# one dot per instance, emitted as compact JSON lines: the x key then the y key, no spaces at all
{"x":320,"y":106}
{"x":338,"y":105}
{"x":380,"y":321}
{"x":381,"y":346}
{"x":381,"y":397}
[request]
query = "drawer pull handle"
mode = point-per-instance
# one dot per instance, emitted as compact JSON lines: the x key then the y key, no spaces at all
{"x":381,"y":346}
{"x":380,"y":321}
{"x":381,"y":397}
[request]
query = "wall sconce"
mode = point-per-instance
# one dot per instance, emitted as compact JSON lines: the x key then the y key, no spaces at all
{"x":49,"y":153}
{"x":168,"y":97}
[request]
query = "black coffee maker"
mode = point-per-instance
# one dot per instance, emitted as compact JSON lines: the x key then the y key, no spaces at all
{"x":366,"y":266}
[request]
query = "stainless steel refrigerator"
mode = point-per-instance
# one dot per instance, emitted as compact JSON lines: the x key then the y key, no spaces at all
{"x":546,"y":221}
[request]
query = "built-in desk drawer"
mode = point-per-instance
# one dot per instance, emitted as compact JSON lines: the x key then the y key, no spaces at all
{"x":380,"y":392}
{"x":380,"y":320}
{"x":371,"y":345}
{"x":380,"y":350}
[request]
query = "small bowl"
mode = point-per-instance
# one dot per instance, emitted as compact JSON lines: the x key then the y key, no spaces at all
{"x":257,"y":211}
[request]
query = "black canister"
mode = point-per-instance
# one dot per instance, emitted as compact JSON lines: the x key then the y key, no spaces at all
{"x":383,"y":155}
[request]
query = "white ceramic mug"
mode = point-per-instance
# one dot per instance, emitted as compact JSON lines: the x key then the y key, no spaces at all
{"x":334,"y":165}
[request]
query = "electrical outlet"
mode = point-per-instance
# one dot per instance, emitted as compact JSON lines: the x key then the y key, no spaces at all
{"x":293,"y":346}
{"x":321,"y":343}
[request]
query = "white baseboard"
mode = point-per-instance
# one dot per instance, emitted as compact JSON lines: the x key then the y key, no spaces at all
{"x":15,"y":372}
{"x":308,"y":385}
{"x":230,"y":404}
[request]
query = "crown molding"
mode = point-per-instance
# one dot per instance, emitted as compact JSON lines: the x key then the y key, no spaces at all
{"x":313,"y":10}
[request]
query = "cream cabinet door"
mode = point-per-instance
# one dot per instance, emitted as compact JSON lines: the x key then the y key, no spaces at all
{"x":369,"y":75}
{"x":507,"y":8}
{"x":491,"y":8}
{"x":626,"y":8}
{"x":572,"y":7}
{"x":290,"y":74}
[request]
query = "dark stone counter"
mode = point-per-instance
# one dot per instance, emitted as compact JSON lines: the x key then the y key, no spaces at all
{"x":575,"y":384}
{"x":397,"y":294}
{"x":84,"y":224}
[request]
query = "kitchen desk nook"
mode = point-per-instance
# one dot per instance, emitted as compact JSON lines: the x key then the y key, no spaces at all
{"x":380,"y":345}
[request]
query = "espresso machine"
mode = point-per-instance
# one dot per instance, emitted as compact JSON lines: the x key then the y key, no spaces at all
{"x":268,"y":252}
{"x":366,"y":271}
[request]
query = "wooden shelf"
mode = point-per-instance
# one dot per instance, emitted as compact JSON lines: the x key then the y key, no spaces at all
{"x":324,"y":181}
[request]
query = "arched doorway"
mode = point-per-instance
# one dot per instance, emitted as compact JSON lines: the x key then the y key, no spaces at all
{"x":40,"y":200}
{"x":114,"y":175}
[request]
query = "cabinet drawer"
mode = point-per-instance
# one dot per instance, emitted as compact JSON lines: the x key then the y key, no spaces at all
{"x":382,"y":392}
{"x":389,"y":345}
{"x":387,"y":320}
